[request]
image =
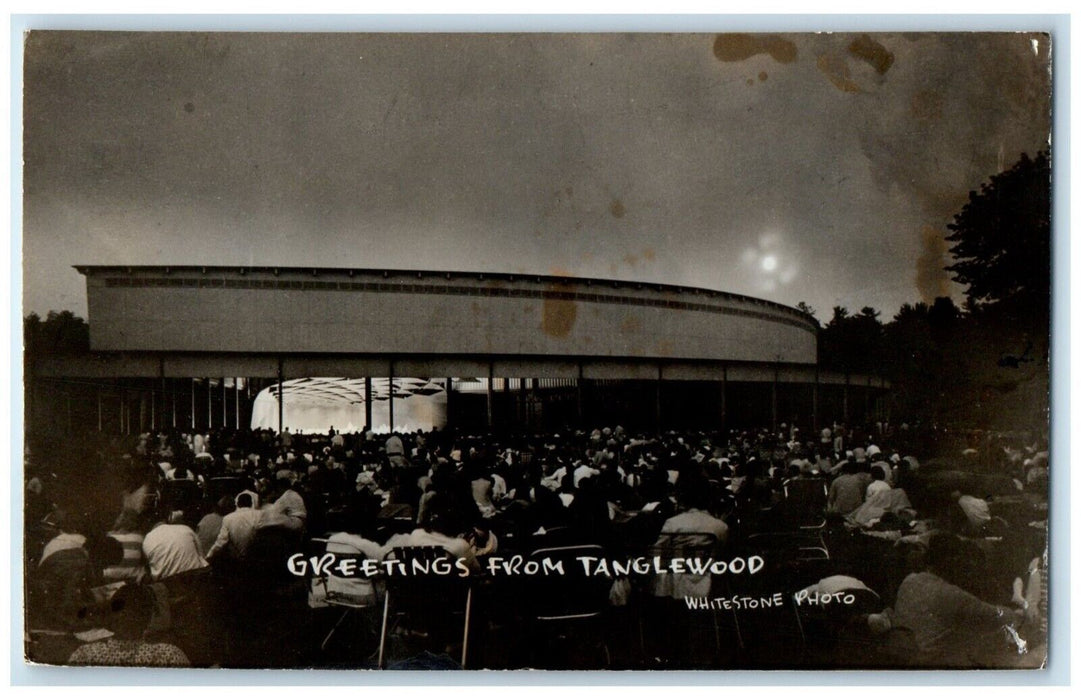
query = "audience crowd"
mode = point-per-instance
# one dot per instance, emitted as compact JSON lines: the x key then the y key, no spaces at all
{"x":890,"y":546}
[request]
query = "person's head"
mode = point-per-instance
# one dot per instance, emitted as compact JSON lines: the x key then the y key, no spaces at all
{"x":878,"y":474}
{"x":694,"y":493}
{"x":130,"y":610}
{"x":224,"y":505}
{"x":245,"y":500}
{"x":104,"y":551}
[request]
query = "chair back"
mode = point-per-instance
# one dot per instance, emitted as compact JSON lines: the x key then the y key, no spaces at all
{"x":574,"y":594}
{"x":420,"y":592}
{"x":805,"y":502}
{"x":182,"y":495}
{"x":684,"y":545}
{"x":224,"y":486}
{"x":358,"y":591}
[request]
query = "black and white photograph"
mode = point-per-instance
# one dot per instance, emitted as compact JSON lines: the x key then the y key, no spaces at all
{"x":550,"y":351}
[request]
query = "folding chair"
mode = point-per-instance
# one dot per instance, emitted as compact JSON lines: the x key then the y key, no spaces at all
{"x":827,"y":627}
{"x":224,"y":486}
{"x":424,"y":597}
{"x":702,"y":545}
{"x":805,"y":511}
{"x":771,"y":635}
{"x":182,"y":495}
{"x":572,"y":598}
{"x":350,"y":594}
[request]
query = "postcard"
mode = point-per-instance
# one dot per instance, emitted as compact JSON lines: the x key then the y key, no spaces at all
{"x":537,"y":351}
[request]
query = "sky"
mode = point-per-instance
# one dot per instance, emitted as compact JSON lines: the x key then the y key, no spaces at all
{"x":821,"y":168}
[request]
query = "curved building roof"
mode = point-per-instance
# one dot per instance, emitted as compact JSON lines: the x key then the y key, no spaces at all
{"x":192,"y":321}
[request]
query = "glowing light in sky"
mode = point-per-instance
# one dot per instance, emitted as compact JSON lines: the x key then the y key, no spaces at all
{"x":771,"y":263}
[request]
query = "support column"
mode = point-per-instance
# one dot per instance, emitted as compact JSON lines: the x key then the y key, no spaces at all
{"x":173,"y":392}
{"x":193,"y":404}
{"x":773,"y":401}
{"x":153,"y":412}
{"x":164,"y":395}
{"x":531,"y":413}
{"x":281,"y":398}
{"x":490,"y":380}
{"x":657,"y":399}
{"x":236,"y":398}
{"x":368,"y":403}
{"x":724,"y":402}
{"x":224,"y":405}
{"x":581,"y":403}
{"x":814,"y":405}
{"x":448,"y":387}
{"x":506,"y":398}
{"x":209,"y":404}
{"x":390,"y":398}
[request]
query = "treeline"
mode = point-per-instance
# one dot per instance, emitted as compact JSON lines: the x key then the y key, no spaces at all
{"x":985,"y":364}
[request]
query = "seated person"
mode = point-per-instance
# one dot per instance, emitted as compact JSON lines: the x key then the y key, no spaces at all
{"x":847,"y":491}
{"x":878,"y":482}
{"x":131,"y":609}
{"x":356,"y":589}
{"x":60,"y":597}
{"x":951,"y":627}
{"x":172,"y":548}
{"x":210,"y":524}
{"x":440,"y":529}
{"x":977,"y":511}
{"x":237,"y":528}
{"x":132,"y":564}
{"x":687,"y":534}
{"x":287,"y":510}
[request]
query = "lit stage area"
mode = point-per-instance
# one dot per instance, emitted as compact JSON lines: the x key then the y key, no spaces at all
{"x":322,"y":404}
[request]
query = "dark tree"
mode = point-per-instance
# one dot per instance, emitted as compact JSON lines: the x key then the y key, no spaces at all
{"x":61,"y":333}
{"x":806,"y":308}
{"x":1002,"y":238}
{"x":852,"y":343}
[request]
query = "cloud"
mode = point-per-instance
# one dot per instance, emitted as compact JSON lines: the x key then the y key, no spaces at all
{"x":640,"y":156}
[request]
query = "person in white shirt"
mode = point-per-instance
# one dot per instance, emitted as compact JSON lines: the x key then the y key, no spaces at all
{"x":878,"y":483}
{"x":238,"y":528}
{"x":172,"y":548}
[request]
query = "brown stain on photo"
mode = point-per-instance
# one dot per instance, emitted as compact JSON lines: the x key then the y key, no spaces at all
{"x":558,"y":315}
{"x":617,"y":209}
{"x":732,"y":48}
{"x":630,"y":259}
{"x":926,"y":105}
{"x":835,"y":68}
{"x":932,"y":279}
{"x":630,"y":324}
{"x":762,"y":76}
{"x":649,"y":254}
{"x":873,"y":53}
